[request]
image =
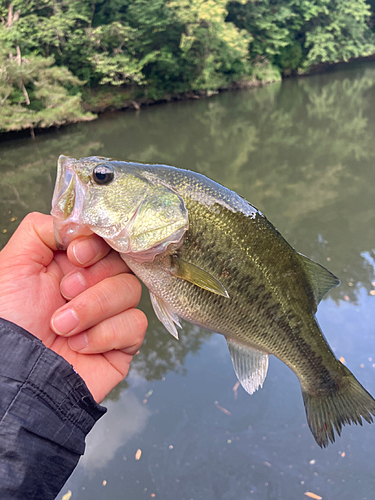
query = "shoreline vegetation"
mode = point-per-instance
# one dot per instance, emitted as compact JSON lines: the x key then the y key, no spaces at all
{"x":65,"y":61}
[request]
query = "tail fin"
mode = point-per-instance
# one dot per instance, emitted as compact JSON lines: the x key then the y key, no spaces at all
{"x":345,"y":404}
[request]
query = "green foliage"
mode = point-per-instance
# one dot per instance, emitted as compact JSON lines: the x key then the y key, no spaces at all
{"x":33,"y":93}
{"x":299,"y":34}
{"x":157,"y":48}
{"x":111,"y":57}
{"x":342,"y":33}
{"x":271,"y":23}
{"x":218,"y":50}
{"x":371,"y":3}
{"x":289,"y":57}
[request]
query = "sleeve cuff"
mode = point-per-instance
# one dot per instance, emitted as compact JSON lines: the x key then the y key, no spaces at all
{"x":50,"y":397}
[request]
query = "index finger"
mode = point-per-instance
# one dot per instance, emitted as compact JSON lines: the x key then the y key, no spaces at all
{"x":87,"y":250}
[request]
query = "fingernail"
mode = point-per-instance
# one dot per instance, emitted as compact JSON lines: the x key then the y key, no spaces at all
{"x":85,"y":251}
{"x":78,"y":342}
{"x":65,"y":321}
{"x":73,"y":285}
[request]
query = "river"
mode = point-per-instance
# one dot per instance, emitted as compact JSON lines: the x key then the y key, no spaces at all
{"x":303,"y":152}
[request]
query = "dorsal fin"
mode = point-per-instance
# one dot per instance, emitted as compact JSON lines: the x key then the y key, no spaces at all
{"x":321,"y":280}
{"x":249,"y":364}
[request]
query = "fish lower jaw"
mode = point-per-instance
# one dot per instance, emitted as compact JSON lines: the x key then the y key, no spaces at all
{"x":66,"y":232}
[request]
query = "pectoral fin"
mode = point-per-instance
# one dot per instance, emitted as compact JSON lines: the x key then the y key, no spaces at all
{"x":194,"y":274}
{"x":249,"y":364}
{"x":165,"y":315}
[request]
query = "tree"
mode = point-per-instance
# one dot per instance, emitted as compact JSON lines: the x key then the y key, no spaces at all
{"x":33,"y":92}
{"x":294,"y":34}
{"x":130,"y":49}
{"x":217,"y":50}
{"x":274,"y":26}
{"x":337,"y":32}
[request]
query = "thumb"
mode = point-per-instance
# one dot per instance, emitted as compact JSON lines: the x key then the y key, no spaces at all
{"x":33,"y":241}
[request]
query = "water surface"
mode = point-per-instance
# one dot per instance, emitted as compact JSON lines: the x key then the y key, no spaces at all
{"x":303,"y":152}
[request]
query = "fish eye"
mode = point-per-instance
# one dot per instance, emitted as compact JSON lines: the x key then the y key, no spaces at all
{"x":103,"y":174}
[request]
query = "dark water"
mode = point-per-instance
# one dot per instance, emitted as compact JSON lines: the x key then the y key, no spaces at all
{"x":303,"y":152}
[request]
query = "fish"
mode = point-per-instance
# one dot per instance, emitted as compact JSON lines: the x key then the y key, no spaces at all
{"x":210,"y":257}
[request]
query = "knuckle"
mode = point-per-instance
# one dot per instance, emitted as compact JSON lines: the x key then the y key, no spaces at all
{"x":112,"y":334}
{"x":130,"y":335}
{"x":124,"y":331}
{"x":132,"y":289}
{"x":97,"y":302}
{"x":30,"y":219}
{"x":140,"y":323}
{"x":143,"y":322}
{"x":104,"y":302}
{"x":107,"y":266}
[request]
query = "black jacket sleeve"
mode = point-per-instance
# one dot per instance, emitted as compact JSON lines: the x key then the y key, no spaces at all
{"x":46,"y":410}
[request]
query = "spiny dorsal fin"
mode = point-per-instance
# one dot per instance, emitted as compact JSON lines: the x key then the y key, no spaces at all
{"x":321,"y":280}
{"x":249,"y":364}
{"x":165,"y":315}
{"x":199,"y":277}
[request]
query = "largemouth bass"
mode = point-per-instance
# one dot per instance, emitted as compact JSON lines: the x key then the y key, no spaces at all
{"x":211,"y":258}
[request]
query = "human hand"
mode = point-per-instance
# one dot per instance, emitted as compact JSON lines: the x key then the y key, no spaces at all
{"x":84,"y":309}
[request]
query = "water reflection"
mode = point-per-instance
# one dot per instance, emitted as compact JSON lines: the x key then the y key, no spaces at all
{"x":125,"y":420}
{"x":161,"y":353}
{"x":303,"y":152}
{"x":148,"y":361}
{"x":259,"y":448}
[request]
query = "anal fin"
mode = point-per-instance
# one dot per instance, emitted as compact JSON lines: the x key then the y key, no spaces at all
{"x":165,"y":315}
{"x":249,"y":364}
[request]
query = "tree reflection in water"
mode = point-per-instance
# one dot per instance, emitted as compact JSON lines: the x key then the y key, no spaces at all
{"x":302,"y":151}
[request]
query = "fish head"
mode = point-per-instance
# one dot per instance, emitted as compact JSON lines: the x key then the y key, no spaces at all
{"x":117,"y":201}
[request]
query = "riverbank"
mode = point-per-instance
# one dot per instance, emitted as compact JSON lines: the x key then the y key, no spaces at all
{"x":106,"y":99}
{"x":103,"y":99}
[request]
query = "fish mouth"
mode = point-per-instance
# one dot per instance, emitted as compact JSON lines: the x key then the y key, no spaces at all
{"x":67,"y":203}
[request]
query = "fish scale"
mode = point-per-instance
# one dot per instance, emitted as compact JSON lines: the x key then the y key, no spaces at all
{"x":211,"y":258}
{"x":244,"y":316}
{"x":248,"y":289}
